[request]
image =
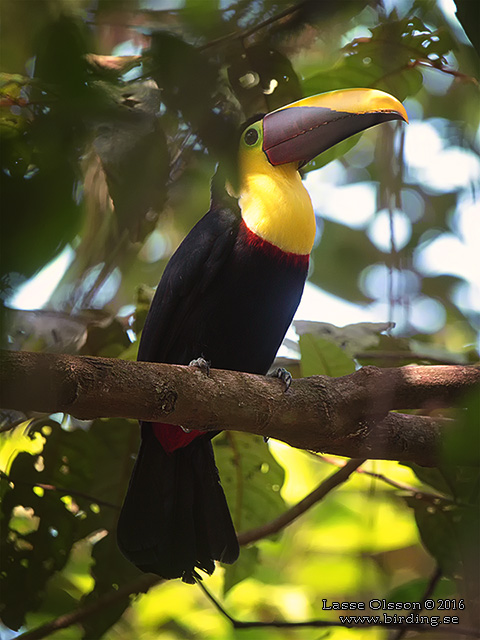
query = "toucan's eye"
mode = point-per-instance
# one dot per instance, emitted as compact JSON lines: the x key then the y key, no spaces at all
{"x":251,"y":136}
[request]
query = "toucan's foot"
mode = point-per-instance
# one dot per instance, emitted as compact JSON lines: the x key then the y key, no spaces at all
{"x":283,"y":375}
{"x":202,"y":364}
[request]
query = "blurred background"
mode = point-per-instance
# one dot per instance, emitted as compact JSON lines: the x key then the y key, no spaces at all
{"x":113,"y":117}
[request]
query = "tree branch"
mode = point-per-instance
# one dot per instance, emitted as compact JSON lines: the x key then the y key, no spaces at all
{"x":347,"y":416}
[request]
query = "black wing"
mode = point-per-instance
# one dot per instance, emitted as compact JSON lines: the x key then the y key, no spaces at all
{"x":191,"y":269}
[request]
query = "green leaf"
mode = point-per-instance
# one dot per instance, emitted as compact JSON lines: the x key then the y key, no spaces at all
{"x":251,"y":477}
{"x":414,"y":590}
{"x":133,"y":149}
{"x":190,"y":83}
{"x":438,"y":533}
{"x":61,"y":57}
{"x":203,"y":17}
{"x":243,"y":568}
{"x":352,"y":338}
{"x":37,"y":533}
{"x":322,"y":357}
{"x":252,"y":480}
{"x":431,"y":476}
{"x":110,"y":570}
{"x":385,"y":60}
{"x":462,"y":444}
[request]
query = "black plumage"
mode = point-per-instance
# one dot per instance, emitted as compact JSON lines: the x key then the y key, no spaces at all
{"x":228,"y":297}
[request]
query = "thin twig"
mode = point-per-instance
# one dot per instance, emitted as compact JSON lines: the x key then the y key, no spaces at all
{"x":240,"y":35}
{"x":366,"y":622}
{"x":432,"y":583}
{"x":140,"y":585}
{"x":294,"y":512}
{"x":403,"y":486}
{"x":68,"y":492}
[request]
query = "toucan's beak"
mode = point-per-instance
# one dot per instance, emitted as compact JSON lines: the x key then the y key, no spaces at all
{"x":302,"y":130}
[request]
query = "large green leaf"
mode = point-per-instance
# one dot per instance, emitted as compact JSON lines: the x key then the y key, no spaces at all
{"x":252,"y":480}
{"x":322,"y":357}
{"x":251,"y":477}
{"x":190,"y":83}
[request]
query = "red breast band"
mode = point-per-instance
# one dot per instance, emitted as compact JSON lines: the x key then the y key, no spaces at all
{"x":250,"y":238}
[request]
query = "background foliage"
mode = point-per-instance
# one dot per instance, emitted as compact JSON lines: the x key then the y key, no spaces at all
{"x":106,"y":165}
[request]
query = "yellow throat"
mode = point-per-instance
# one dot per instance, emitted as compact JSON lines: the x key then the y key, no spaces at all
{"x":274,"y":203}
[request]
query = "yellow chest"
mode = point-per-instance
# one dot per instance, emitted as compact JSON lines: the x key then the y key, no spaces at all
{"x":276,"y":206}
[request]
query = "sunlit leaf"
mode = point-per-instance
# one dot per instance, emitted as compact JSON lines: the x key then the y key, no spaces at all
{"x":251,"y":477}
{"x":243,"y":568}
{"x":352,"y":338}
{"x":322,"y":357}
{"x":252,"y":480}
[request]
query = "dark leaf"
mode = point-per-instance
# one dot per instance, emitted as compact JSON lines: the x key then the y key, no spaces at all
{"x":190,"y":85}
{"x":263,"y":79}
{"x":134,"y":155}
{"x":439,"y":533}
{"x":82,"y":467}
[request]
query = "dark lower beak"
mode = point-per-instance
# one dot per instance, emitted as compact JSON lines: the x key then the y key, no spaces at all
{"x":302,"y":130}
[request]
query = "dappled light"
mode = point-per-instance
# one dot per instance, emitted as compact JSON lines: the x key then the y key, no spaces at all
{"x":120,"y":124}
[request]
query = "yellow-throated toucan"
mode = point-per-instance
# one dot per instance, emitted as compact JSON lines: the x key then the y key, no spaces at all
{"x":228,"y":295}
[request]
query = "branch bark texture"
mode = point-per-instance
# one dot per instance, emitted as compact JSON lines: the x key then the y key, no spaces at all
{"x":347,"y":416}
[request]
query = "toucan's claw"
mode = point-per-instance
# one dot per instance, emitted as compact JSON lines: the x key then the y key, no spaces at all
{"x":286,"y":377}
{"x":202,"y":364}
{"x":283,"y":375}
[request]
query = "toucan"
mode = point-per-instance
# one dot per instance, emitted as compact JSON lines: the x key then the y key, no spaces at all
{"x":227,"y":296}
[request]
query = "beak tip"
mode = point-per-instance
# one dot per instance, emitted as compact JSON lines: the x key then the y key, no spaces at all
{"x":402,"y":112}
{"x":298,"y":132}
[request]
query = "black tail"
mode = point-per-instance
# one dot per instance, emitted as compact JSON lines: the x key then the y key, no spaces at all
{"x":175,"y":517}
